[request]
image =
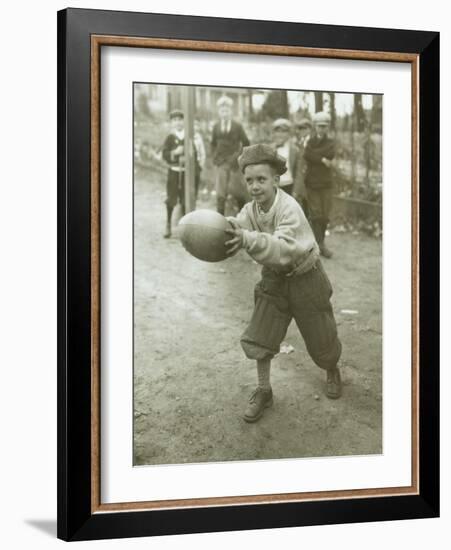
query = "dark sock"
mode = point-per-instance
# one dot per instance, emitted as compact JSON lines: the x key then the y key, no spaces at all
{"x":263,"y":373}
{"x":169,"y":210}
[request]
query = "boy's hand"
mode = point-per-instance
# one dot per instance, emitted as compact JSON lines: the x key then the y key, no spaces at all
{"x":237,"y":241}
{"x":327,"y":162}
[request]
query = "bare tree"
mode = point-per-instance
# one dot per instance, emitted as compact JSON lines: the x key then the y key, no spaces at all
{"x":251,"y":106}
{"x":276,"y":104}
{"x":359,"y":113}
{"x":319,"y":104}
{"x":333,"y":112}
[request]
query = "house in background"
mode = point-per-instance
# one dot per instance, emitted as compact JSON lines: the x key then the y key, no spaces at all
{"x":160,"y":99}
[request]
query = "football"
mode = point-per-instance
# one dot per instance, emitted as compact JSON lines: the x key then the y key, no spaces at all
{"x":203,"y":234}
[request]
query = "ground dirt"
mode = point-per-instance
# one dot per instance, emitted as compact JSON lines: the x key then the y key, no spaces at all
{"x":192,"y":380}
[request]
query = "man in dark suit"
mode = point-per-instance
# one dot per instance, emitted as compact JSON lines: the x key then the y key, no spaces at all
{"x":227,"y":142}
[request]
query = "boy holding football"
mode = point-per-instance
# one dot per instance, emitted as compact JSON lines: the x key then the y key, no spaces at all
{"x":274,"y":231}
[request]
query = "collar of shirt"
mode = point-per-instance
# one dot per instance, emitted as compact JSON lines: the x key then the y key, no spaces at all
{"x":225,"y":126}
{"x":273,"y":206}
{"x":284,"y":150}
{"x":179,"y":134}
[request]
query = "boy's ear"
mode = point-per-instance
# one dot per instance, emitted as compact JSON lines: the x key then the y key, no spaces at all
{"x":276,"y":179}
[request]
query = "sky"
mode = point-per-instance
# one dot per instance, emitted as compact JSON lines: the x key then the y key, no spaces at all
{"x":343,"y":102}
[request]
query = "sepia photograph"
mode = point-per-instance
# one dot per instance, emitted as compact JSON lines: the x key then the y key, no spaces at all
{"x":247,"y":247}
{"x":257,"y":274}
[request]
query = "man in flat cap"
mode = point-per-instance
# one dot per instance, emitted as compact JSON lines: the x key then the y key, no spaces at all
{"x":274,"y":231}
{"x":228,"y":139}
{"x":319,"y":153}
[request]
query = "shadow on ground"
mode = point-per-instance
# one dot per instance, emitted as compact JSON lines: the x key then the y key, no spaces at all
{"x":46,"y":526}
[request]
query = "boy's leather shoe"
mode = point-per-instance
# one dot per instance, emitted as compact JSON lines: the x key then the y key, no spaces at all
{"x":168,"y":231}
{"x":333,"y":385}
{"x":258,"y":402}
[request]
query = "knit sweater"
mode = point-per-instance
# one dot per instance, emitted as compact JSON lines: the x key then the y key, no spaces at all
{"x":281,"y":238}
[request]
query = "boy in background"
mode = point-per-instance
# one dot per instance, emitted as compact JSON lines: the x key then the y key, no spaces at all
{"x":173,"y":153}
{"x":228,"y":139}
{"x":302,"y":132}
{"x":284,"y":146}
{"x":319,"y":153}
{"x":274,"y":231}
{"x":200,"y":154}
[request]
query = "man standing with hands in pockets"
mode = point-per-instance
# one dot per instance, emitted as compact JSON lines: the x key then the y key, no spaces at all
{"x":227,"y":142}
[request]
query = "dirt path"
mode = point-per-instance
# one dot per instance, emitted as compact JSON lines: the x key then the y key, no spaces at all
{"x":192,"y":380}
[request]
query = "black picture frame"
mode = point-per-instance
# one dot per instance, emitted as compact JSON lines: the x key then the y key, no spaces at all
{"x":76,"y":520}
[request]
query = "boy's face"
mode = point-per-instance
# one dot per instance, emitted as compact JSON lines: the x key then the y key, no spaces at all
{"x":261,"y":182}
{"x":178,"y":123}
{"x":280,"y":136}
{"x":302,"y":132}
{"x":225,"y":112}
{"x":321,"y":130}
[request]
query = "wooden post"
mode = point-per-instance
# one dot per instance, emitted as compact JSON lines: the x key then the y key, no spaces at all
{"x":333,"y":112}
{"x":319,"y":104}
{"x":188,"y":102}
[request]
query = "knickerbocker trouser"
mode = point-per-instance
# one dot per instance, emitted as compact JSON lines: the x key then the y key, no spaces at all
{"x":306,"y":298}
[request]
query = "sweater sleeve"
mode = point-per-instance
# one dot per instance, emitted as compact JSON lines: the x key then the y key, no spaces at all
{"x":316,"y":154}
{"x":291,"y":241}
{"x":243,"y":219}
{"x":329,"y":150}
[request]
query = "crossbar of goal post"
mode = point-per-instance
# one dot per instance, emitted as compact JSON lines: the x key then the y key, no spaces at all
{"x":188,"y":102}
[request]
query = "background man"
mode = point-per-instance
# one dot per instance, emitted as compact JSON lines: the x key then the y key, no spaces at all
{"x":286,"y":149}
{"x":228,"y":139}
{"x":302,"y":132}
{"x":319,"y":153}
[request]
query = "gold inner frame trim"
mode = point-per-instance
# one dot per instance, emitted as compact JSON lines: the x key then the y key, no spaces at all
{"x":97,"y":41}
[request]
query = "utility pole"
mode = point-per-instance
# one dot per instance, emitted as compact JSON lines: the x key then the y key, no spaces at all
{"x":319,"y":104}
{"x":188,"y":102}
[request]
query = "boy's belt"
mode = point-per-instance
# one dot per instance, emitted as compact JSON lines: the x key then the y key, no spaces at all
{"x":306,"y":264}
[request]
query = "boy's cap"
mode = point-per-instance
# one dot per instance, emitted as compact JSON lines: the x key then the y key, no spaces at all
{"x":224,"y":100}
{"x":262,"y":153}
{"x":321,"y":118}
{"x":281,"y":124}
{"x":304,"y":123}
{"x":176,"y":113}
